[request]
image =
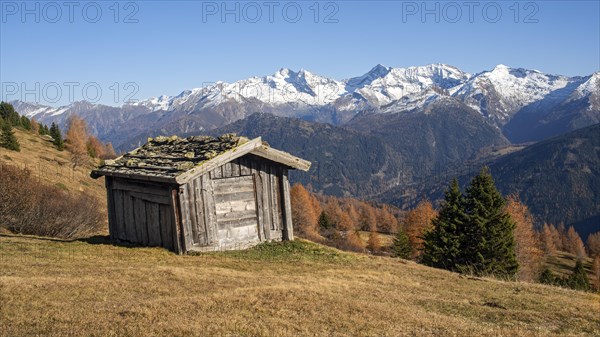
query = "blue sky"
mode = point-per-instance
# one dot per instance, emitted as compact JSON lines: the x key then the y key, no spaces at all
{"x":160,"y":47}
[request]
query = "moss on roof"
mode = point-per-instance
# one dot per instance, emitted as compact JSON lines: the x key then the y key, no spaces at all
{"x":170,"y":156}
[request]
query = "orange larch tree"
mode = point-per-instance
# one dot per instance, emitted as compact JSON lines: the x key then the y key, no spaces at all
{"x":77,"y":139}
{"x":593,"y":244}
{"x":304,"y":215}
{"x":417,"y":222}
{"x":529,"y":249}
{"x":575,"y":245}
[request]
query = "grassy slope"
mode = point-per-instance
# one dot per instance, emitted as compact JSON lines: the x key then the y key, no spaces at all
{"x":562,"y":264}
{"x":51,"y":166}
{"x":56,"y":288}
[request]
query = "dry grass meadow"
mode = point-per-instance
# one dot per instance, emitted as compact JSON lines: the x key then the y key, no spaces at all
{"x":92,"y":288}
{"x":51,"y":166}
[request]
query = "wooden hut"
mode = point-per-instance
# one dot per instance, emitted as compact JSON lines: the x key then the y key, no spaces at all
{"x":200,"y":193}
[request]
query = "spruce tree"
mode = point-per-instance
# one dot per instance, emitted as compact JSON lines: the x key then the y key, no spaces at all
{"x":324,"y":221}
{"x":8,"y":113}
{"x":56,"y":134}
{"x":401,"y":247}
{"x":488,"y":245}
{"x":8,"y":139}
{"x":579,"y":278}
{"x":25,"y":123}
{"x":46,"y":130}
{"x":442,"y":244}
{"x":546,"y":277}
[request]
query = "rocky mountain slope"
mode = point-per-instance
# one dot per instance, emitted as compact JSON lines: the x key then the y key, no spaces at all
{"x":526,"y":105}
{"x":559,"y":179}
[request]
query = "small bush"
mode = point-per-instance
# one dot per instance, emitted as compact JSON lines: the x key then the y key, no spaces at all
{"x":28,"y":206}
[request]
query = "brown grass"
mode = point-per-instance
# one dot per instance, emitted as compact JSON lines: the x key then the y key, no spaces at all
{"x":49,"y":169}
{"x":51,"y":166}
{"x":90,"y":288}
{"x":563,"y":263}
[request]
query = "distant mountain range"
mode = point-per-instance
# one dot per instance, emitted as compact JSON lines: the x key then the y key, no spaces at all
{"x":392,"y":134}
{"x":526,"y":105}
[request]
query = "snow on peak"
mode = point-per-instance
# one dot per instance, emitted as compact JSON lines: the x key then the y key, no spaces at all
{"x":383,"y":85}
{"x":589,"y":87}
{"x":503,"y":91}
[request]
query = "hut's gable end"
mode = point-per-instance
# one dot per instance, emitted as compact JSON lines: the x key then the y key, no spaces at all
{"x":236,"y":205}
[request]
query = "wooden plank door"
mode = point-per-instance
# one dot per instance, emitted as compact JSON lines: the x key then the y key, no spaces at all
{"x":236,"y":210}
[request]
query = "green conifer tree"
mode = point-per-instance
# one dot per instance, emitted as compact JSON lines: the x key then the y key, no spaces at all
{"x":324,"y":221}
{"x":57,"y":135}
{"x":441,"y":246}
{"x":401,"y":247}
{"x":488,"y":245}
{"x":579,"y":278}
{"x":8,"y":139}
{"x":25,"y":123}
{"x":546,"y":277}
{"x":8,"y":113}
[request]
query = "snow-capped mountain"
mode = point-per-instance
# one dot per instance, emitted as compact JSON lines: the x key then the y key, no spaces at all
{"x":499,"y":95}
{"x":503,"y":91}
{"x":380,"y":86}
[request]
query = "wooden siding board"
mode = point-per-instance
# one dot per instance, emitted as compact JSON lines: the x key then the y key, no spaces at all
{"x":153,"y":221}
{"x":140,"y":187}
{"x":203,"y":230}
{"x":184,"y":198}
{"x":120,"y":215}
{"x":288,"y":230}
{"x":166,"y":226}
{"x":139,"y":213}
{"x":245,"y":168}
{"x":191,"y":210}
{"x":153,"y":198}
{"x":273,"y":189}
{"x":265,"y":181}
{"x":259,"y":206}
{"x":131,"y":230}
{"x":110,"y":204}
{"x":227,"y":170}
{"x":199,"y":228}
{"x":177,"y":246}
{"x":209,"y":209}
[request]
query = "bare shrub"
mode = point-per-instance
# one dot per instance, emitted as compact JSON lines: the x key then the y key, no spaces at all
{"x":28,"y":206}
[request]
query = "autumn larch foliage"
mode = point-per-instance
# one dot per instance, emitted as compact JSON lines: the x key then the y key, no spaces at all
{"x":82,"y":145}
{"x":417,"y":222}
{"x":338,"y":221}
{"x":368,"y":218}
{"x":305,"y":212}
{"x":77,"y":139}
{"x":550,"y":239}
{"x":575,"y":245}
{"x":593,"y":244}
{"x":374,"y":242}
{"x":529,"y":249}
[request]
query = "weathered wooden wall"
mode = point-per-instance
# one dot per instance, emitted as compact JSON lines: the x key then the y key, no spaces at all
{"x":237,"y":204}
{"x":234,"y":206}
{"x":141,"y":212}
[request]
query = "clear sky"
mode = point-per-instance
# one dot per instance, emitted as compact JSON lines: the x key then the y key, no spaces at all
{"x":150,"y":48}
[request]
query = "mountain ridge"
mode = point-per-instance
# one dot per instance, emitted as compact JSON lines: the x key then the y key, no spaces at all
{"x":500,"y":95}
